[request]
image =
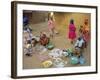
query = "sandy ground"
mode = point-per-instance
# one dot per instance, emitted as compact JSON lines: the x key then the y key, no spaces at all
{"x":60,"y":41}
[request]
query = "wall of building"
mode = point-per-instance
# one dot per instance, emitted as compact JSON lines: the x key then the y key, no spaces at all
{"x":36,"y":17}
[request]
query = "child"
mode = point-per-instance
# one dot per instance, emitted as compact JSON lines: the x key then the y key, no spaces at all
{"x":72,"y":31}
{"x":79,"y":45}
{"x":44,"y":40}
{"x":81,"y":29}
{"x":51,"y":26}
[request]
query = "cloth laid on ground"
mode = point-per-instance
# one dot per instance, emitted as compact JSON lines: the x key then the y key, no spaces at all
{"x":42,"y":57}
{"x":58,"y":62}
{"x":56,"y":53}
{"x":40,"y":49}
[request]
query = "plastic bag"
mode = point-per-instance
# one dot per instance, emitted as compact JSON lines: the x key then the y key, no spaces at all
{"x":74,"y":60}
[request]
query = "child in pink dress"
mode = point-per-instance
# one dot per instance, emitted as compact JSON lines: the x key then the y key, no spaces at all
{"x":51,"y":26}
{"x":72,"y":31}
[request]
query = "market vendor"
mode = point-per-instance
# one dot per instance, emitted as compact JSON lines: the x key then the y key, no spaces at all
{"x":44,"y":40}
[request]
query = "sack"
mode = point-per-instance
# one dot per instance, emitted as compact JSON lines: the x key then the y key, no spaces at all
{"x":82,"y":60}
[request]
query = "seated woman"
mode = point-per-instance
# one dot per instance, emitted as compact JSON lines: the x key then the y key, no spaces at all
{"x":34,"y":42}
{"x":79,"y":46}
{"x":29,"y":49}
{"x":44,"y":40}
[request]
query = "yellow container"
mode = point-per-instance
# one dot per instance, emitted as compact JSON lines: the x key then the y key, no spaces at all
{"x":47,"y":63}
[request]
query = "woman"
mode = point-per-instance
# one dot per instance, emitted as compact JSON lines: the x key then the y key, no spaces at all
{"x":86,"y":32}
{"x":44,"y":40}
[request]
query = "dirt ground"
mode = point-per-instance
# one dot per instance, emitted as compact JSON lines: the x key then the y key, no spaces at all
{"x":60,"y":41}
